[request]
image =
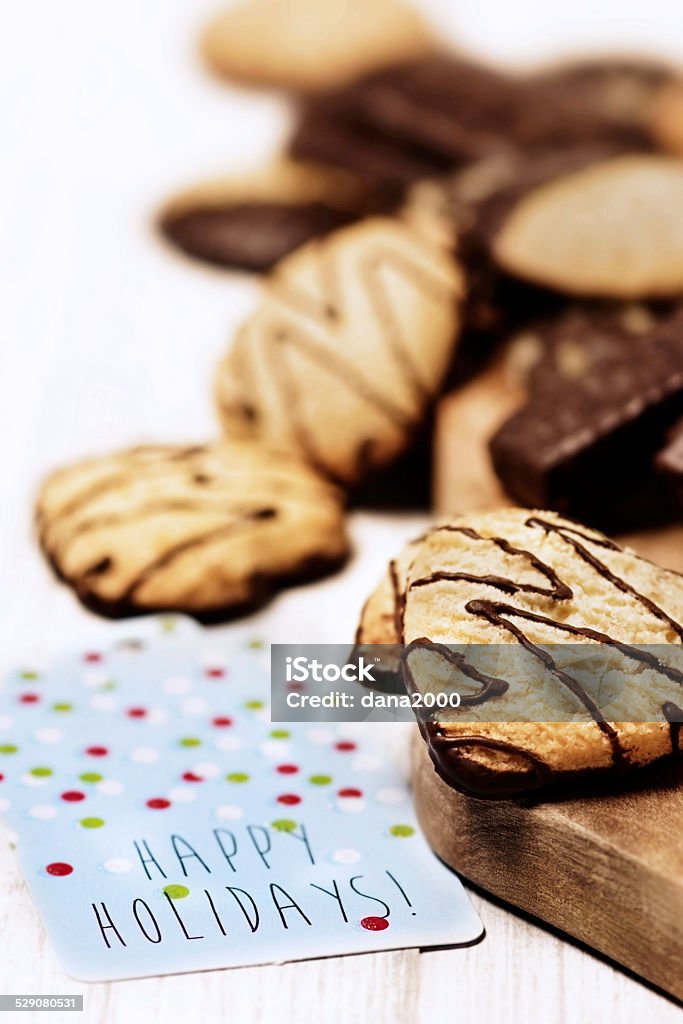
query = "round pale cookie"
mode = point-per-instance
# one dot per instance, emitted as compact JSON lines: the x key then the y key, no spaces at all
{"x":312,"y":44}
{"x":613,"y":230}
{"x":347,"y":350}
{"x":515,"y":576}
{"x":251,"y":221}
{"x":205,"y":530}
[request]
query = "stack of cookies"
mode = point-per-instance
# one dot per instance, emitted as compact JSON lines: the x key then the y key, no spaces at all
{"x":433,"y":224}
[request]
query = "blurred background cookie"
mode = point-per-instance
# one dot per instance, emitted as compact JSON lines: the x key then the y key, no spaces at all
{"x":249,"y":222}
{"x":348,"y":349}
{"x":206,"y":530}
{"x":311,"y":44}
{"x":526,"y":578}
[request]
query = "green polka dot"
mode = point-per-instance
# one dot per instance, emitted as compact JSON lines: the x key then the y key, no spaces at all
{"x":403,"y":831}
{"x":8,"y":748}
{"x":256,"y":643}
{"x":92,"y":822}
{"x":109,"y":685}
{"x":90,"y":777}
{"x":254,"y":705}
{"x":168,"y":625}
{"x":41,"y":773}
{"x":237,"y":777}
{"x":190,"y":741}
{"x":176,"y":892}
{"x":280,"y":734}
{"x":320,"y":780}
{"x":283,"y":825}
{"x":29,"y":674}
{"x":62,"y":705}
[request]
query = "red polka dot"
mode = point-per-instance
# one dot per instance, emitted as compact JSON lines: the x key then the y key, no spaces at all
{"x":295,"y":687}
{"x":2,"y":777}
{"x":92,"y":656}
{"x":72,"y":796}
{"x":374,"y":924}
{"x":192,"y":777}
{"x":136,"y":712}
{"x":345,"y":745}
{"x":59,"y":869}
{"x":289,"y":798}
{"x":222,"y":721}
{"x":216,"y":672}
{"x":96,"y":751}
{"x":29,"y":698}
{"x":158,"y":803}
{"x":287,"y":769}
{"x":350,"y":791}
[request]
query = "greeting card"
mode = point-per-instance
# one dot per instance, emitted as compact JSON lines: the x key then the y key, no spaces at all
{"x":165,"y":824}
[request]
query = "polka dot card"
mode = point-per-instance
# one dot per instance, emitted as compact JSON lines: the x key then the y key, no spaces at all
{"x":165,"y":824}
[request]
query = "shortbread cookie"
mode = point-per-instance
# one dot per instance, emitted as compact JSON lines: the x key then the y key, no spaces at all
{"x":612,"y":230}
{"x":311,"y":44}
{"x":602,"y":398}
{"x":347,"y":350}
{"x":515,"y":576}
{"x":205,"y":530}
{"x":251,"y":221}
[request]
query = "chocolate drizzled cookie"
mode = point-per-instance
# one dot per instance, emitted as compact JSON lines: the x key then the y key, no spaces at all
{"x":534,"y":579}
{"x":206,"y":530}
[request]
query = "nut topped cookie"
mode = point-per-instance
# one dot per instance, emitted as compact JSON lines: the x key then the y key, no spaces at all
{"x":534,"y":579}
{"x":205,"y":530}
{"x":347,"y":350}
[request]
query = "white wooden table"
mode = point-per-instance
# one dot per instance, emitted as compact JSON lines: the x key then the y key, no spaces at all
{"x":105,"y":339}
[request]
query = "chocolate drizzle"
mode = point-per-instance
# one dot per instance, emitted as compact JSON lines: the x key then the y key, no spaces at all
{"x":448,"y":751}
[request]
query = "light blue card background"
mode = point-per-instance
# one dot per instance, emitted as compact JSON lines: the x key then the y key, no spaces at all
{"x":309,"y":828}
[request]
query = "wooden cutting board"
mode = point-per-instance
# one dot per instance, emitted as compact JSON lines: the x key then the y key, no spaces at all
{"x":606,"y":867}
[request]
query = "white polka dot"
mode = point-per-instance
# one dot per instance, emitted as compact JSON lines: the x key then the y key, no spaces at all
{"x":109,"y":787}
{"x":229,"y":743}
{"x":11,"y":837}
{"x":5,"y":722}
{"x":4,"y":804}
{"x":47,"y":735}
{"x":212,"y":659}
{"x":275,"y":749}
{"x":320,"y":736}
{"x":193,"y":706}
{"x":117,"y":865}
{"x":43,"y":812}
{"x":263,"y":714}
{"x":229,"y":812}
{"x":102,"y":702}
{"x":350,"y":804}
{"x":366,"y":763}
{"x":157,"y":716}
{"x":34,"y":780}
{"x":177,"y":684}
{"x":144,"y":755}
{"x":207,"y":769}
{"x":94,"y":677}
{"x":346,"y":856}
{"x":182,"y":795}
{"x":390,"y":795}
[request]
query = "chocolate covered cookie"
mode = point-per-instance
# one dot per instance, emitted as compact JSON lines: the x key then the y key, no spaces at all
{"x":346,"y":352}
{"x":252,"y":221}
{"x":606,"y":389}
{"x":205,"y":530}
{"x":535,"y":580}
{"x":311,"y":44}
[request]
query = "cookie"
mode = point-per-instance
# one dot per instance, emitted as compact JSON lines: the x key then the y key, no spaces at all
{"x":311,"y":44}
{"x":352,"y":341}
{"x":205,"y":530}
{"x":613,"y":230}
{"x":667,"y":117}
{"x":251,"y":222}
{"x":515,"y":576}
{"x":602,"y":398}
